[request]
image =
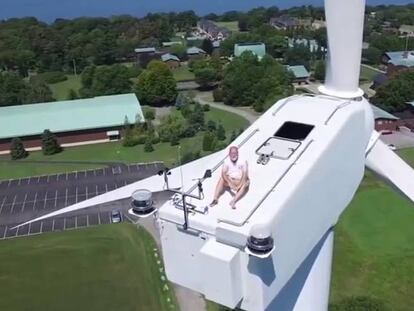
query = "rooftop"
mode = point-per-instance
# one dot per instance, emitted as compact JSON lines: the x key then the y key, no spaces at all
{"x":401,"y":58}
{"x":168,"y":56}
{"x":257,"y":48}
{"x":299,"y":71}
{"x":145,"y":50}
{"x":195,"y":50}
{"x":382,"y":114}
{"x":70,"y":115}
{"x":171,"y":43}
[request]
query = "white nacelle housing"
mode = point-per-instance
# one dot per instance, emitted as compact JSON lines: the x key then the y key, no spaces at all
{"x":315,"y":163}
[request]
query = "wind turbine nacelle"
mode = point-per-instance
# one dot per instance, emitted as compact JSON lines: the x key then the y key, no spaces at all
{"x":315,"y":151}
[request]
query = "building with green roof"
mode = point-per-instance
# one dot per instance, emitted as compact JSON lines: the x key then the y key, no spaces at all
{"x":73,"y":121}
{"x":257,"y":48}
{"x":384,"y":121}
{"x":300,"y":73}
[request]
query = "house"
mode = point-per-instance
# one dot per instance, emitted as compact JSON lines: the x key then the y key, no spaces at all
{"x":407,"y":116}
{"x":384,"y":121}
{"x":398,"y":61}
{"x":145,"y":55}
{"x":406,"y":30}
{"x":300,"y":74}
{"x":257,"y":48}
{"x":212,"y":31}
{"x":171,"y":60}
{"x":312,"y":44}
{"x":285,"y":23}
{"x":73,"y":122}
{"x":171,"y":43}
{"x":195,"y":53}
{"x":318,"y":24}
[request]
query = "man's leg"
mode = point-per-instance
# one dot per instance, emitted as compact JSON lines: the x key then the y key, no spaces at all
{"x":219,"y":191}
{"x":239,"y":194}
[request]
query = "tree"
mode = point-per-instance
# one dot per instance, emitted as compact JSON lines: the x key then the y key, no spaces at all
{"x":298,"y":55}
{"x":17,"y":150}
{"x":149,"y":113}
{"x":72,"y":95}
{"x":264,"y":82}
{"x":372,"y":55}
{"x":209,"y":141}
{"x":148,"y":145}
{"x":105,"y":80}
{"x":13,"y":90}
{"x":243,"y":23}
{"x":320,"y":70}
{"x":179,"y":50}
{"x":39,"y":92}
{"x":221,"y":133}
{"x":156,"y":85}
{"x":394,"y":95}
{"x":205,"y":77}
{"x":211,"y":126}
{"x":207,"y":46}
{"x":50,"y":144}
{"x":233,"y":136}
{"x":174,"y":140}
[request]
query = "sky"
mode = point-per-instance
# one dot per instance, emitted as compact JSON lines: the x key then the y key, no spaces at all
{"x":49,"y":10}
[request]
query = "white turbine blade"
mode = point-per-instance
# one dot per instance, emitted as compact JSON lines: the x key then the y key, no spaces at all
{"x":391,"y":168}
{"x":155,"y":183}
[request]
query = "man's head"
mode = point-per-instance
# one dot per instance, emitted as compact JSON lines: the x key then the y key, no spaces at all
{"x":234,"y":154}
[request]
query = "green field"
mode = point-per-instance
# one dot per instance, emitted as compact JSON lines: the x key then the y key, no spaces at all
{"x":109,"y":267}
{"x":368,"y":74}
{"x":60,"y":90}
{"x":112,"y":152}
{"x":183,"y":74}
{"x":232,"y":26}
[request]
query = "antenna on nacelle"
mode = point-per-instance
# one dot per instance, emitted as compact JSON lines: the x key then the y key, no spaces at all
{"x":345,"y":26}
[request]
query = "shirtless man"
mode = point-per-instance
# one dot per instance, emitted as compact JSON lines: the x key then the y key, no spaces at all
{"x":234,"y":176}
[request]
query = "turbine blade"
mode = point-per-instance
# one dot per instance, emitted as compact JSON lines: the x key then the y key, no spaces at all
{"x":391,"y":168}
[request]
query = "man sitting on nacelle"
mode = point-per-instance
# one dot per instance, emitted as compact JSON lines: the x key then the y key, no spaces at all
{"x":234,"y":177}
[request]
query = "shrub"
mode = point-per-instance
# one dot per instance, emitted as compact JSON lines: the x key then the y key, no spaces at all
{"x":50,"y":144}
{"x":206,"y":108}
{"x":17,"y":150}
{"x":149,"y":113}
{"x":148,"y":146}
{"x":218,"y":95}
{"x":52,"y":77}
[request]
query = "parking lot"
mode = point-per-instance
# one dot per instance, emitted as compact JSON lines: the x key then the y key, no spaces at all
{"x":27,"y":198}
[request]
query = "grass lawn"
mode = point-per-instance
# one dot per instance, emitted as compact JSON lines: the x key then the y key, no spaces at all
{"x":113,"y":152}
{"x":109,"y":267}
{"x":60,"y":90}
{"x":368,"y":74}
{"x":232,"y":26}
{"x":183,"y":74}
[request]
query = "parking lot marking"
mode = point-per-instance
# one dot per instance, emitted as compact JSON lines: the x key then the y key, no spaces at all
{"x":4,"y":235}
{"x":30,"y":228}
{"x":24,"y":202}
{"x":104,"y":172}
{"x":99,"y":218}
{"x":64,"y":223}
{"x":56,"y":196}
{"x":87,"y":220}
{"x":106,"y":187}
{"x":76,"y":222}
{"x":76,"y":195}
{"x":66,"y":176}
{"x":8,"y":185}
{"x":85,"y":173}
{"x":47,"y":180}
{"x":66,"y":197}
{"x":97,"y":192}
{"x":34,"y":201}
{"x":125,"y":183}
{"x":44,"y":204}
{"x":14,"y":201}
{"x":2,"y":203}
{"x":116,"y":186}
{"x":28,"y":181}
{"x":86,"y":193}
{"x":41,"y":226}
{"x":76,"y":175}
{"x":53,"y":225}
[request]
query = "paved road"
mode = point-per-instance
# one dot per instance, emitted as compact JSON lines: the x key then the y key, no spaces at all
{"x":204,"y":98}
